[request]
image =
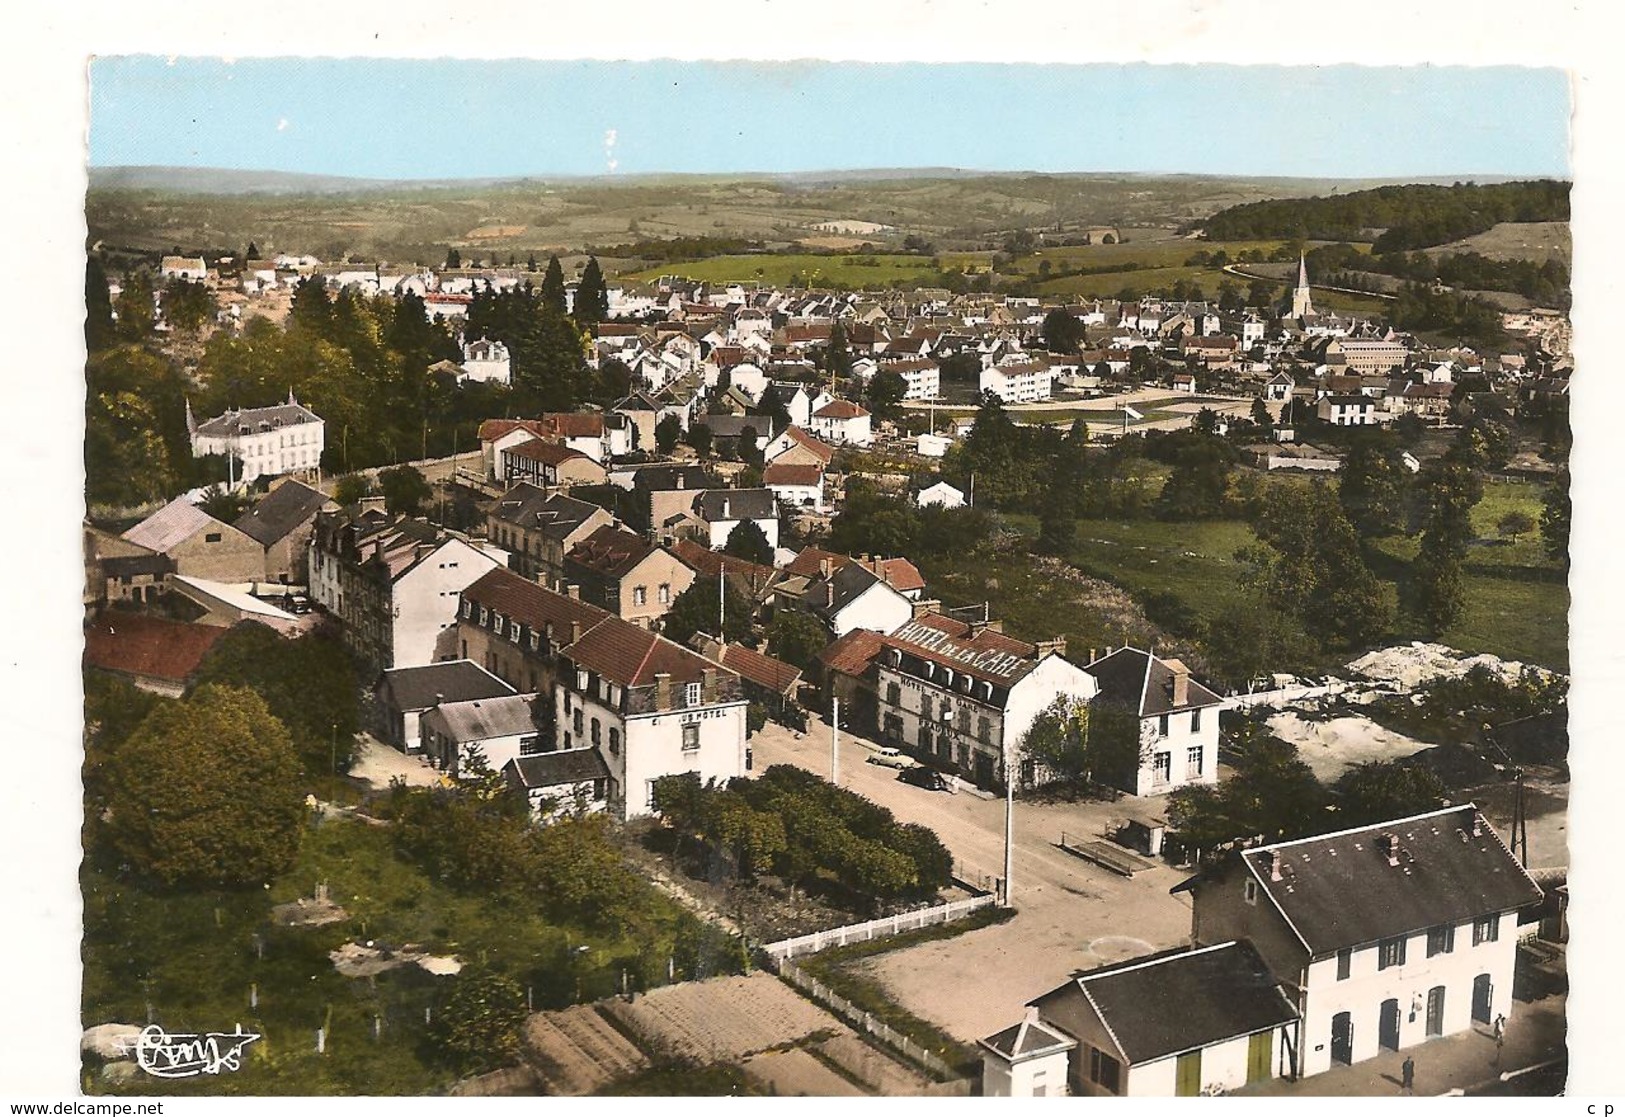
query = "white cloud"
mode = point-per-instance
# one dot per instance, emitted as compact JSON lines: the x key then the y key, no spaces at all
{"x":610,"y":161}
{"x":282,"y":125}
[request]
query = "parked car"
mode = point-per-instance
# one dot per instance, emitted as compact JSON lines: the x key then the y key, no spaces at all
{"x":929,"y":778}
{"x":889,"y":758}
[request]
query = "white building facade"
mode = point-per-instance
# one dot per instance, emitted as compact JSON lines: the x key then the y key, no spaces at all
{"x":269,"y":441}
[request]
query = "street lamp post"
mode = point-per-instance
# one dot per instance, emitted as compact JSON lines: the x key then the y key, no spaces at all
{"x":1009,"y":826}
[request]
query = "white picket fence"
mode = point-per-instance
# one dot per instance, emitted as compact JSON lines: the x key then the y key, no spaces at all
{"x":864,"y":1021}
{"x":874,"y":928}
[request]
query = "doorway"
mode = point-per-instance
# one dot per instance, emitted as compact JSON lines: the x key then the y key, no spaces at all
{"x":1388,"y":1025}
{"x":1435,"y":1025}
{"x":1259,"y":1049}
{"x":1483,"y":997}
{"x":1188,"y":1075}
{"x":1343,"y":1038}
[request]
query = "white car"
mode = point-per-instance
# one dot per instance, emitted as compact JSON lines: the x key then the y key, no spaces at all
{"x":889,"y":758}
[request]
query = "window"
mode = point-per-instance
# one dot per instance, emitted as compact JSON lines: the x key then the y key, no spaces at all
{"x":614,"y":741}
{"x":1391,"y":952}
{"x":691,"y":738}
{"x":1441,"y":940}
{"x":597,"y":729}
{"x":1193,"y":762}
{"x":691,"y":694}
{"x":1196,"y":721}
{"x":664,"y":596}
{"x":1103,"y":1070}
{"x":468,"y":609}
{"x":535,"y":640}
{"x":1162,"y":766}
{"x":1162,"y":726}
{"x":212,"y":537}
{"x":1345,"y":961}
{"x":1487,"y":929}
{"x":530,"y":746}
{"x":598,"y":789}
{"x":894,"y":694}
{"x":581,"y":681}
{"x":640,"y":596}
{"x":577,"y":721}
{"x":1249,"y":891}
{"x":984,"y":731}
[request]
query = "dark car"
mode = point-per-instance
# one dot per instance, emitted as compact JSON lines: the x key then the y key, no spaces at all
{"x":928,"y":778}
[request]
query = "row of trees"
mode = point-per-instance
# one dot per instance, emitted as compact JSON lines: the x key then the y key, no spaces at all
{"x":803,"y":830}
{"x":1411,"y":216}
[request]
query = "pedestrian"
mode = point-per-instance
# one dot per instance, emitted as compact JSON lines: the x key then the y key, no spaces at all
{"x":1500,"y":1029}
{"x":1407,"y":1075}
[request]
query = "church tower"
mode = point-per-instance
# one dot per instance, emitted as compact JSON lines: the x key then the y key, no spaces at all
{"x":1301,"y":306}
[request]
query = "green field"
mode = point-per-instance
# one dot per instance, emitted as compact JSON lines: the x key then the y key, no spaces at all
{"x":1516,"y":599}
{"x":856,"y":270}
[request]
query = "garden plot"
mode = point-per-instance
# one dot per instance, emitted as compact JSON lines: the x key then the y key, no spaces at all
{"x":725,"y":1019}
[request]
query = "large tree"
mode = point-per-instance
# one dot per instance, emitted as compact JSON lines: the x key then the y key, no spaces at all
{"x":885,"y":394}
{"x":1371,"y":486}
{"x":697,"y":609}
{"x":309,"y":684}
{"x":749,"y":542}
{"x":668,"y":433}
{"x":206,"y":792}
{"x":1062,"y":331}
{"x":1383,"y":790}
{"x":1310,"y":565}
{"x":1433,"y":592}
{"x":796,"y":638}
{"x":480,"y":1021}
{"x":1556,"y":513}
{"x":1272,"y":794}
{"x":100,"y":330}
{"x":592,"y":295}
{"x":553,"y":293}
{"x":405,"y":490}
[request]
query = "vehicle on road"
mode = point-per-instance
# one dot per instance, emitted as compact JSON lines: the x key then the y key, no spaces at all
{"x":890,"y":758}
{"x":929,"y":778}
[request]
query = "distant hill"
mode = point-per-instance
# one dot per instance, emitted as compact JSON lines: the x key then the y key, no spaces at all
{"x":136,"y":212}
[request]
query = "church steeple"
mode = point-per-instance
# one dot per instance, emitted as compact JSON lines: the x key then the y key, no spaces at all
{"x":1302,"y":307}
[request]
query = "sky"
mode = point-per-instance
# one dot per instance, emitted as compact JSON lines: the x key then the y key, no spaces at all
{"x":447,"y":118}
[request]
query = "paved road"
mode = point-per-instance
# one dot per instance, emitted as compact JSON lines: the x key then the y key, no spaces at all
{"x":1071,"y":915}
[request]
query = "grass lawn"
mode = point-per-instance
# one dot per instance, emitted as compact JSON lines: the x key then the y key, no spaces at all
{"x":192,"y":958}
{"x":1517,"y":601}
{"x":1148,"y":254}
{"x":1145,"y":280}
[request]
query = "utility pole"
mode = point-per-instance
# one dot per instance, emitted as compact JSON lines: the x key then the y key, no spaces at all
{"x":722,"y":601}
{"x":1009,"y":827}
{"x":835,"y":741}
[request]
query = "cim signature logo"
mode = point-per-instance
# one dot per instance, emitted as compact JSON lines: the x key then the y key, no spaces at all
{"x":185,"y":1054}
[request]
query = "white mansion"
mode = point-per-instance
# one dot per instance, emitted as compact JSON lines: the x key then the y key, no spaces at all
{"x":286,"y":438}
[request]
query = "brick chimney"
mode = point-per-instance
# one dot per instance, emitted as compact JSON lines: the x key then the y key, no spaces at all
{"x":1181,"y":682}
{"x":825,"y":566}
{"x":1275,"y":864}
{"x":662,"y":690}
{"x":573,"y":591}
{"x":575,"y":631}
{"x":708,"y":685}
